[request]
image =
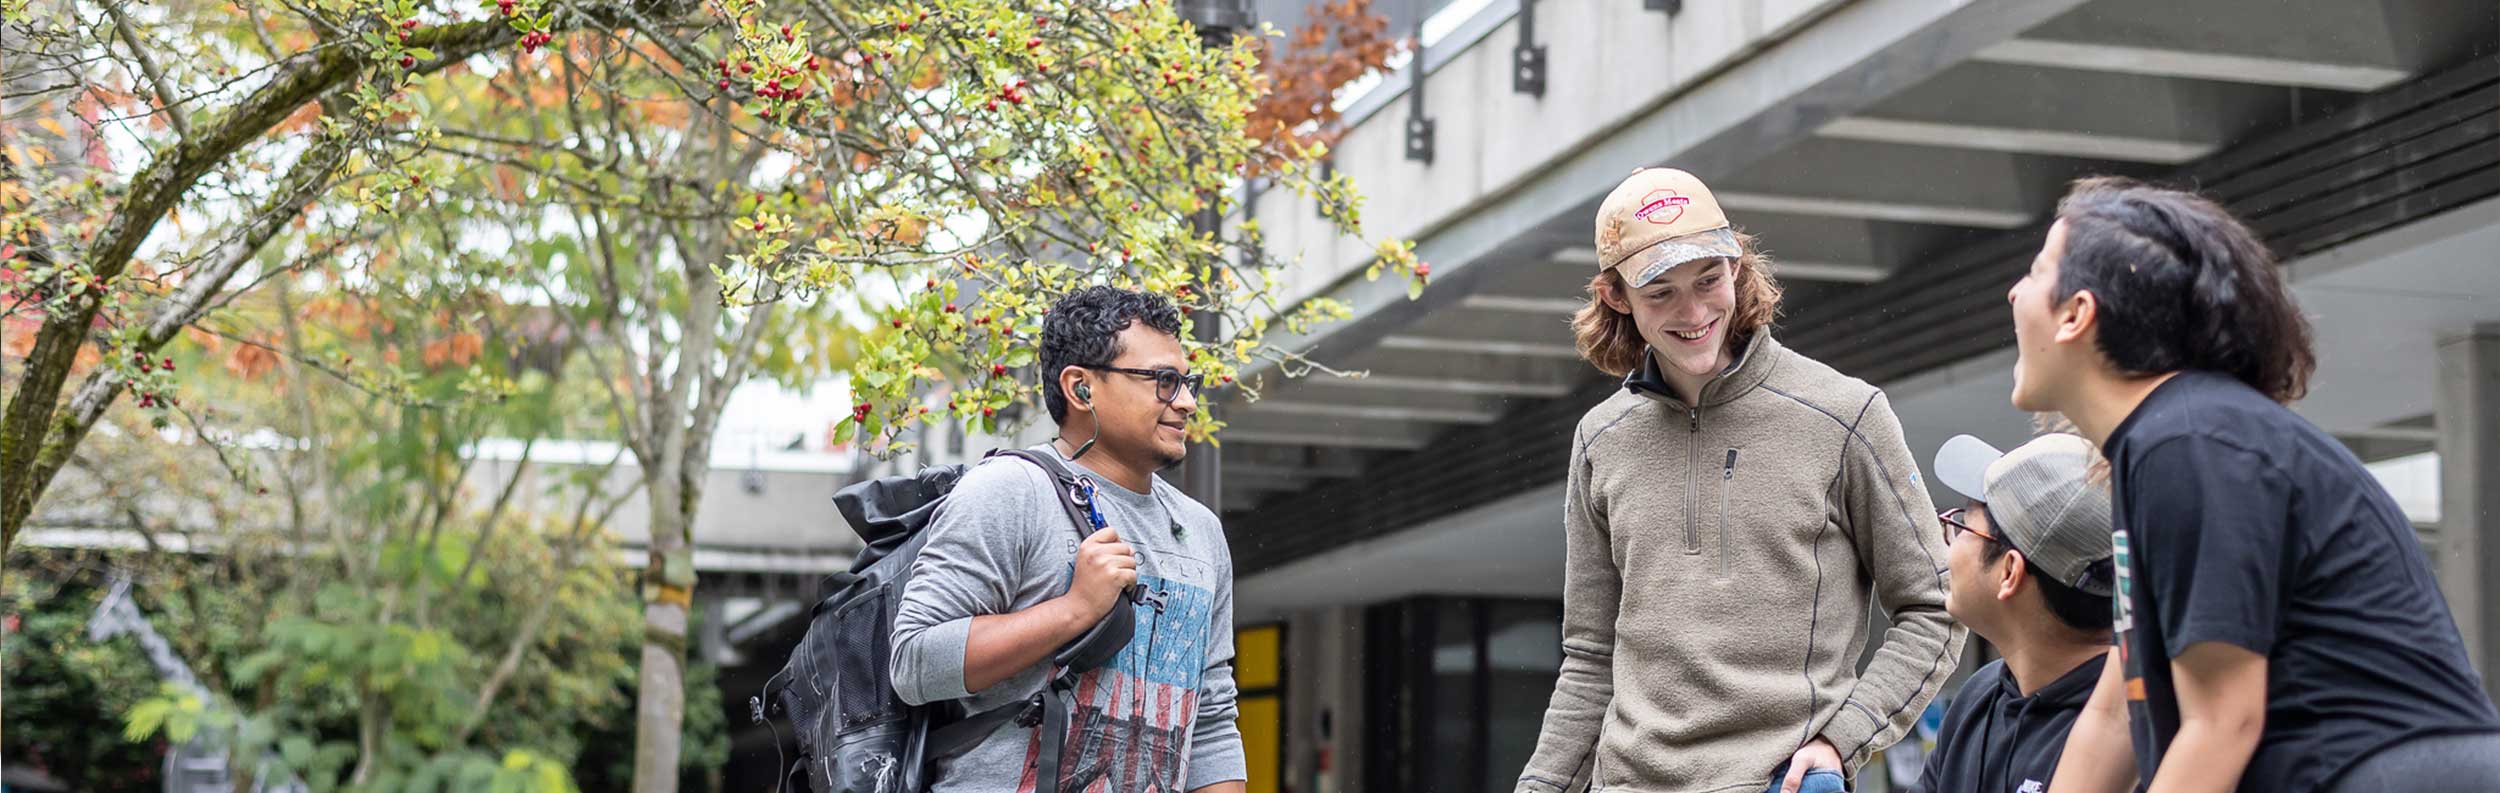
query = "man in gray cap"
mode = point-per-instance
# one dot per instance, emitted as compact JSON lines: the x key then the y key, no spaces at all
{"x":2030,"y":561}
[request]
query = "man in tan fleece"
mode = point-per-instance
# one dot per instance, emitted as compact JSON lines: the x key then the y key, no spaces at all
{"x":1730,"y":516}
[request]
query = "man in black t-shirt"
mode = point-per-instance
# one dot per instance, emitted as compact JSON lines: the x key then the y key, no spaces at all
{"x":2278,"y":628}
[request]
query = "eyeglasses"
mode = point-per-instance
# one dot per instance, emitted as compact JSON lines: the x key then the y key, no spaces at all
{"x":1953,"y":525}
{"x":1168,"y":382}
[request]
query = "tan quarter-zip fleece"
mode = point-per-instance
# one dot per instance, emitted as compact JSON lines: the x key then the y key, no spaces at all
{"x":1721,"y":561}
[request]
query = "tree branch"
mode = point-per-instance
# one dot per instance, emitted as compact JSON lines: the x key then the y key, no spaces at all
{"x":156,"y":76}
{"x":29,"y":434}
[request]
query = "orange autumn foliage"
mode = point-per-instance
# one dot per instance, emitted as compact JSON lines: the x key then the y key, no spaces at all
{"x":458,"y":349}
{"x":251,"y":361}
{"x":1342,"y":41}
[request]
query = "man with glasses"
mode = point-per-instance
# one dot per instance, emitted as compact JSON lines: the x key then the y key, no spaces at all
{"x":2029,"y":558}
{"x":1003,"y":582}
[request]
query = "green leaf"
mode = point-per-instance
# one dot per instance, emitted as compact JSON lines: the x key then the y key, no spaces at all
{"x":257,"y":665}
{"x":145,"y":718}
{"x":1414,"y":288}
{"x":297,"y":751}
{"x":421,"y":53}
{"x":180,"y":725}
{"x":1019,"y":355}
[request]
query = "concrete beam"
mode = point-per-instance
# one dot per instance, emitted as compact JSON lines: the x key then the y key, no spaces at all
{"x":1369,"y":412}
{"x":1329,"y":439}
{"x":1929,"y":183}
{"x":2253,"y":69}
{"x":1839,"y":272}
{"x":2343,"y":45}
{"x":1875,"y":209}
{"x":1476,"y":346}
{"x":2467,"y":411}
{"x":2066,"y":143}
{"x":1560,"y":306}
{"x":1458,"y":385}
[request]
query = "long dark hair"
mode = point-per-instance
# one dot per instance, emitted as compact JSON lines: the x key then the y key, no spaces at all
{"x":2182,"y":285}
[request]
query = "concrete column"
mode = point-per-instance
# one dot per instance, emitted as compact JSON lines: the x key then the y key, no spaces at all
{"x":712,"y":642}
{"x":2467,"y":413}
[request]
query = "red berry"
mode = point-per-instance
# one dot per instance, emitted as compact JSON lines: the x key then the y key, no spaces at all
{"x":786,"y":35}
{"x":773,"y":84}
{"x":998,"y":370}
{"x":990,"y":105}
{"x":407,"y":61}
{"x":724,"y":85}
{"x":812,"y":65}
{"x":724,"y":63}
{"x":403,"y":35}
{"x":1032,"y":43}
{"x":932,"y":283}
{"x":950,"y":308}
{"x":759,"y":225}
{"x":987,"y":412}
{"x":904,"y":27}
{"x":408,"y":24}
{"x":1041,"y":22}
{"x":746,"y":68}
{"x":1423,"y":269}
{"x":169,"y":364}
{"x":898,"y":322}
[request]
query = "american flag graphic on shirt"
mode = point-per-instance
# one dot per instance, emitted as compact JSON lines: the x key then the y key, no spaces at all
{"x":1129,"y":731}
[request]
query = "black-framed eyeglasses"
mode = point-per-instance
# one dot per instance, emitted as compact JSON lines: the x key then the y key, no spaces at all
{"x":1953,"y":525}
{"x":1168,"y":382}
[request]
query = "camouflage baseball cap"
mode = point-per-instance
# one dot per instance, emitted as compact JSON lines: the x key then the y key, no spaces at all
{"x":1659,"y":218}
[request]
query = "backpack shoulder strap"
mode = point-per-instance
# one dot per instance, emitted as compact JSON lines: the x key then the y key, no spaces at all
{"x":1074,"y":495}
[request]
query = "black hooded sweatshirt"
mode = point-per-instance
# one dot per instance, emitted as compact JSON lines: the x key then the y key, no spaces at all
{"x":1995,"y":740}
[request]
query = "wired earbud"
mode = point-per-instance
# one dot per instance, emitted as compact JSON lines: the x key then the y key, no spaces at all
{"x":1085,"y":394}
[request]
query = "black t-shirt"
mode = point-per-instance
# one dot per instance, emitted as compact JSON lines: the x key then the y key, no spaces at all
{"x":2240,"y":522}
{"x":1995,"y":740}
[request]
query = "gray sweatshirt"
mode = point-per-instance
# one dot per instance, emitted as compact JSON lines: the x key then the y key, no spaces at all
{"x":1160,"y":716}
{"x":1721,"y":558}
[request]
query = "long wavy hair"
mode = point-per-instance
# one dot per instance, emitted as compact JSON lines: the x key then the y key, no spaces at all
{"x":1610,"y":341}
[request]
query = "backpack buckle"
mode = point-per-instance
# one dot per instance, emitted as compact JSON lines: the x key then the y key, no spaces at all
{"x":1031,"y":716}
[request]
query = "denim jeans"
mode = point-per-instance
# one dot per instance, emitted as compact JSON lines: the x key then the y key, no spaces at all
{"x":1820,"y":780}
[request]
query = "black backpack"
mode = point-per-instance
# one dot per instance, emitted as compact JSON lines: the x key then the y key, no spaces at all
{"x":855,"y":735}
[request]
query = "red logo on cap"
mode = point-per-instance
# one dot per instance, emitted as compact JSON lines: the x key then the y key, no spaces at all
{"x":1661,"y":207}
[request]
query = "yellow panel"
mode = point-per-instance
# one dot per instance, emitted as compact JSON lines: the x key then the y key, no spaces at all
{"x":1254,"y":657}
{"x":1262,"y":726}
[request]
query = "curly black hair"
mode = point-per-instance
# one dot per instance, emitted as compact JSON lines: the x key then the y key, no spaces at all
{"x":1084,"y":327}
{"x":2182,"y":285}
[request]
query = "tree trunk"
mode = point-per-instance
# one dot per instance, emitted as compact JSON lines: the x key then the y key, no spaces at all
{"x":660,"y":715}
